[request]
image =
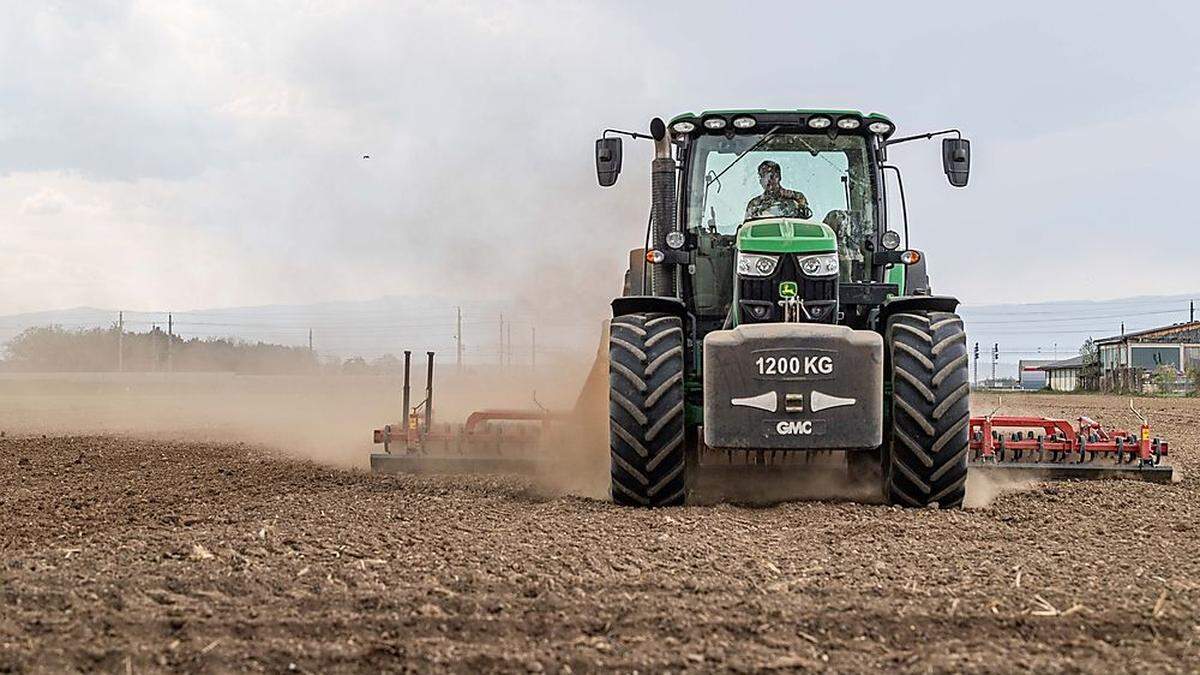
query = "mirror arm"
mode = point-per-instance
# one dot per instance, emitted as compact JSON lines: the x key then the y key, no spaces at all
{"x":903,"y":203}
{"x":922,"y":137}
{"x":631,"y":134}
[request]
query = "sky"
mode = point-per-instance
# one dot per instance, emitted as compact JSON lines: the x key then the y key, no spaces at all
{"x":172,"y":154}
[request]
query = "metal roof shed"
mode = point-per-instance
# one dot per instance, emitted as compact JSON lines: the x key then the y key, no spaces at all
{"x":1177,"y":345}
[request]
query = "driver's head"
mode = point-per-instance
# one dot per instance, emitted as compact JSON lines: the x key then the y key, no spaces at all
{"x":769,"y":175}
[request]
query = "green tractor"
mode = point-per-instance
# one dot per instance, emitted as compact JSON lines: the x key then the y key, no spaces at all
{"x":775,"y":313}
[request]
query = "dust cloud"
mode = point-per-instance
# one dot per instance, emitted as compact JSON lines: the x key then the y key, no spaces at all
{"x":324,"y":418}
{"x":328,"y":417}
{"x":825,"y":478}
{"x":983,"y":489}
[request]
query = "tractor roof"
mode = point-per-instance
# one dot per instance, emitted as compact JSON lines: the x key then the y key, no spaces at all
{"x":766,"y":116}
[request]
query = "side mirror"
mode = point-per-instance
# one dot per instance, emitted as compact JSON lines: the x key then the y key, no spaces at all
{"x":608,"y":160}
{"x":956,"y":160}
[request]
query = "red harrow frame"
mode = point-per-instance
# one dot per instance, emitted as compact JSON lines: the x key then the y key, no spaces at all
{"x":1049,"y":448}
{"x":490,"y":441}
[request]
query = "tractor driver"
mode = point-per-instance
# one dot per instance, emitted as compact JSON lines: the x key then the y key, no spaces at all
{"x":776,"y":200}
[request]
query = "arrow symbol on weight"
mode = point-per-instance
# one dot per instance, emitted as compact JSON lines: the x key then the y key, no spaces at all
{"x":768,"y":401}
{"x":820,"y":401}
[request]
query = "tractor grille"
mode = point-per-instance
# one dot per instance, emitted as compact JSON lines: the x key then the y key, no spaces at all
{"x":760,"y":297}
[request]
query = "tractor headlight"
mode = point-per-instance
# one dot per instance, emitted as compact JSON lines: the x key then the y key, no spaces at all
{"x":880,"y":127}
{"x":820,"y":265}
{"x":753,"y":265}
{"x":819,"y":122}
{"x":848,"y":123}
{"x":890,"y":240}
{"x":744,"y":122}
{"x":683,"y":127}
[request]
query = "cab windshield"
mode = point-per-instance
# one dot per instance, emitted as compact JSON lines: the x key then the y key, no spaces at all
{"x":809,"y":176}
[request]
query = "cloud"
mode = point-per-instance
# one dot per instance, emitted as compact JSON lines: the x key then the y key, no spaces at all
{"x":211,"y":153}
{"x":197,"y":129}
{"x":44,"y":202}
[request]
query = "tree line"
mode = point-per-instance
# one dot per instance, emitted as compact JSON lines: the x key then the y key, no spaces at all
{"x":56,"y":349}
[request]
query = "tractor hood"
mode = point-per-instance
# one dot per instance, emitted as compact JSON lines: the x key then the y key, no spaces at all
{"x":786,"y":235}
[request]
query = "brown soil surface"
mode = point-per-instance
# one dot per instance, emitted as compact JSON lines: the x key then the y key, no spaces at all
{"x":127,"y":555}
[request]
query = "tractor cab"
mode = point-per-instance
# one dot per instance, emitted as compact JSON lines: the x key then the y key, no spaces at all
{"x":775,"y":205}
{"x":783,"y":205}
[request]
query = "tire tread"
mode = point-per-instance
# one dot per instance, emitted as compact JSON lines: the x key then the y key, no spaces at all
{"x":926,"y":460}
{"x":646,"y":410}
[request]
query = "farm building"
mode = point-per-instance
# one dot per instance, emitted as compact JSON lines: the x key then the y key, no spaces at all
{"x":1177,"y":346}
{"x":1031,"y":375}
{"x":1064,"y":375}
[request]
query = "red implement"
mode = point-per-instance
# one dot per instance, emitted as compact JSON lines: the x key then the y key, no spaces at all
{"x":491,"y":441}
{"x":1056,"y":448}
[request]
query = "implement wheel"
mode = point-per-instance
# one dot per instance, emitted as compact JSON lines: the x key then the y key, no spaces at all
{"x":925,"y":450}
{"x":645,"y":410}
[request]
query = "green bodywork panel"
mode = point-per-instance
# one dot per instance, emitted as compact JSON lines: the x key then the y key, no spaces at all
{"x":786,"y":235}
{"x":782,"y":235}
{"x":895,"y":275}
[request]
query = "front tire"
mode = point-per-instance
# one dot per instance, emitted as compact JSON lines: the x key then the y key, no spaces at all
{"x":925,"y":453}
{"x":646,"y":419}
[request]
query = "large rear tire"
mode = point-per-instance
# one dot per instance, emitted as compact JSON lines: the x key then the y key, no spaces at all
{"x":925,"y":451}
{"x":646,"y":420}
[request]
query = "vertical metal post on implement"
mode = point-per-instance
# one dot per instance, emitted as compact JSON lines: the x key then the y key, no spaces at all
{"x":406,"y":412}
{"x":1145,"y":456}
{"x":429,"y":393}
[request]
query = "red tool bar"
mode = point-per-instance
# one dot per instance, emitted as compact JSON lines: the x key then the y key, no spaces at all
{"x":1011,"y":436}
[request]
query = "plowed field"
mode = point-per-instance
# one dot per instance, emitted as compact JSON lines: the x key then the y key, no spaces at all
{"x":123,"y":554}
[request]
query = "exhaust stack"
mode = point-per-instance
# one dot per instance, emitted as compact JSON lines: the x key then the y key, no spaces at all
{"x":662,"y":192}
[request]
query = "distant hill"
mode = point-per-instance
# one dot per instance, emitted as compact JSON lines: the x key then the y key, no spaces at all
{"x":390,"y":324}
{"x":368,"y":328}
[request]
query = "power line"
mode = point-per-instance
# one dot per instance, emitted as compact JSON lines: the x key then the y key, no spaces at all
{"x":1077,"y":306}
{"x":1081,"y":318}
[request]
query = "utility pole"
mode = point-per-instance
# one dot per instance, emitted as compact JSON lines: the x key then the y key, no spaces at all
{"x":508,"y":355}
{"x":995,"y":356}
{"x":170,"y":339}
{"x":976,"y":364}
{"x":1191,"y":311}
{"x":458,"y":338}
{"x":310,"y":341}
{"x":120,"y":342}
{"x":500,"y":353}
{"x":533,"y":348}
